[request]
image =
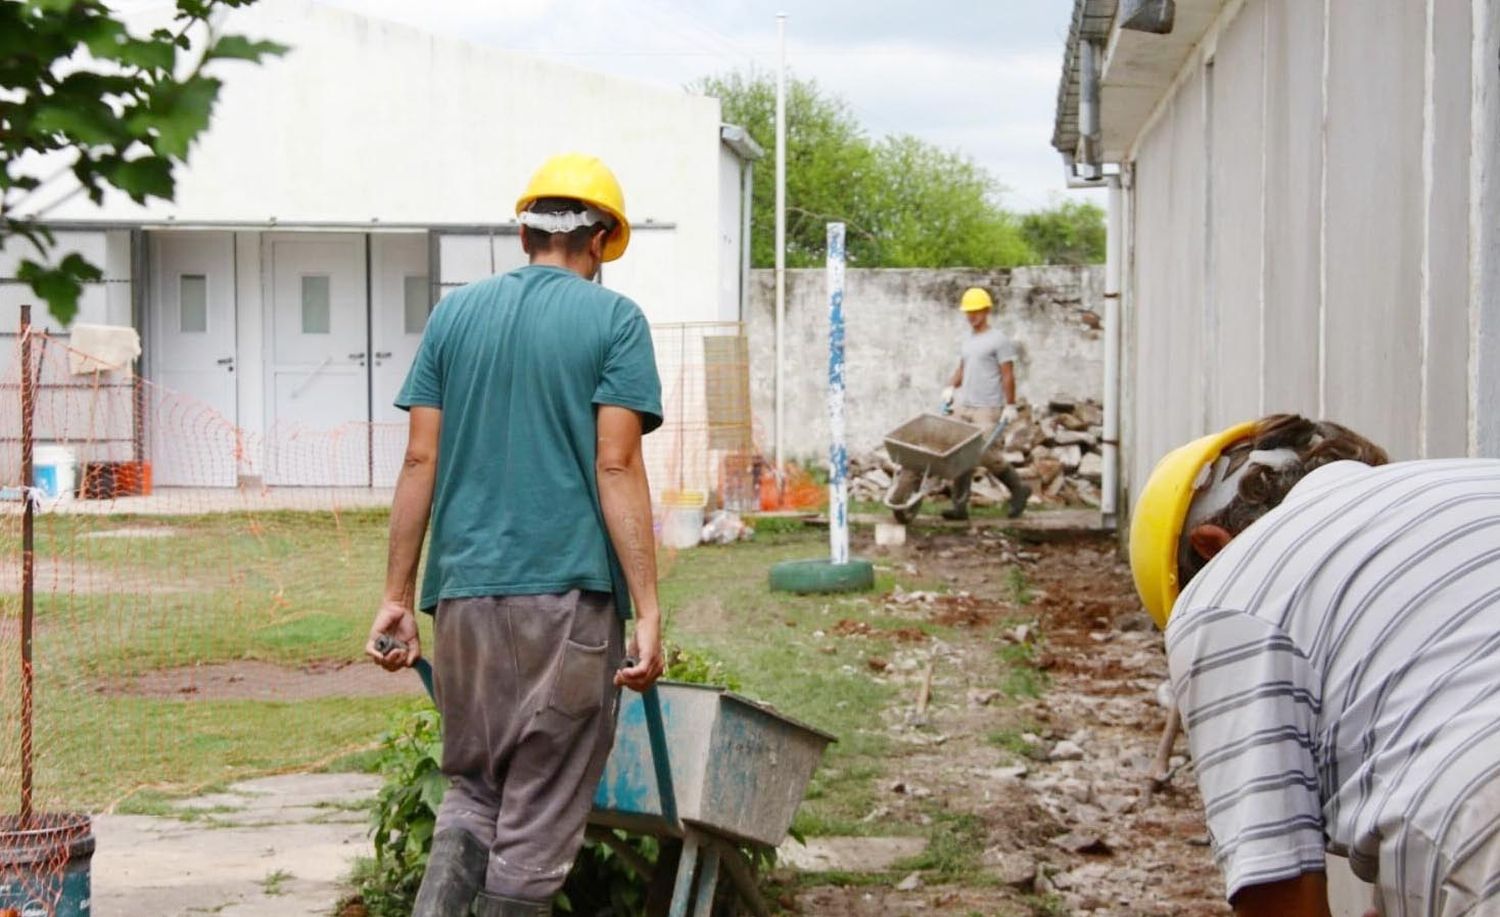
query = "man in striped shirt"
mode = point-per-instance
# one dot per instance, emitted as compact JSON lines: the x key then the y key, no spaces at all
{"x":1336,"y":658}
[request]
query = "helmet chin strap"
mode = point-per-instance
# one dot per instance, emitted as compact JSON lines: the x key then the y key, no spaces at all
{"x":1219,"y":482}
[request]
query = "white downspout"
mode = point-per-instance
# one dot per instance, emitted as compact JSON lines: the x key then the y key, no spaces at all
{"x":1110,"y":479}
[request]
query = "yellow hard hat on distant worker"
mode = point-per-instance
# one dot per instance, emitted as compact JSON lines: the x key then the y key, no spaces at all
{"x":585,"y":178}
{"x":975,"y":300}
{"x":1160,"y":511}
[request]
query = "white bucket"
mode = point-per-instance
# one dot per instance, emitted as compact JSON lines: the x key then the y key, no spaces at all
{"x":54,"y":472}
{"x":682,"y":518}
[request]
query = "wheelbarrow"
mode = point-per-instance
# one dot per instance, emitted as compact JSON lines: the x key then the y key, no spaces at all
{"x":706,"y":767}
{"x":938,"y":449}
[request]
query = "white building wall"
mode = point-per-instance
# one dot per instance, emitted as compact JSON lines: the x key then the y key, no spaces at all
{"x":367,"y":122}
{"x":1316,"y":234}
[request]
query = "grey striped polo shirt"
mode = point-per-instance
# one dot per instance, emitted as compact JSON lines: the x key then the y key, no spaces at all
{"x":1338,"y":671}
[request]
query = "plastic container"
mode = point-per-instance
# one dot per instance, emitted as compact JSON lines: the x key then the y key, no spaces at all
{"x":44,"y":866}
{"x":54,"y":472}
{"x":682,"y":517}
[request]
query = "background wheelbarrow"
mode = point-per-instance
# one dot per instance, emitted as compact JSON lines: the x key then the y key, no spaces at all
{"x":705,"y":766}
{"x":933,"y":449}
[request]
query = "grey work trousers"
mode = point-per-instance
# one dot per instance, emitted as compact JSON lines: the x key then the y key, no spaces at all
{"x":526,"y":688}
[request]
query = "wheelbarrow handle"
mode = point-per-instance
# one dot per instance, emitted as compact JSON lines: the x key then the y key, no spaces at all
{"x":385,"y":643}
{"x":656,"y":732}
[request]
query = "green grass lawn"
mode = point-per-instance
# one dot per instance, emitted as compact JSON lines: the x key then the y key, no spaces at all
{"x":299,"y":588}
{"x":283,"y":588}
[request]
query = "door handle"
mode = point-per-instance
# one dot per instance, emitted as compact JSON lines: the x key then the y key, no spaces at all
{"x":357,"y":356}
{"x":382,"y":354}
{"x":225,"y":361}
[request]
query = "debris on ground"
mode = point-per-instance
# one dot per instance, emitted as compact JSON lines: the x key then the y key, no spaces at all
{"x":726,"y":527}
{"x":1047,"y":772}
{"x":1057,"y":449}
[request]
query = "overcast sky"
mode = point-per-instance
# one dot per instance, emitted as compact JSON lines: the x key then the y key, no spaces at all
{"x":978,"y":76}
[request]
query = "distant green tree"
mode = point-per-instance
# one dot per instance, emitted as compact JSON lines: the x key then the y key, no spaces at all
{"x":83,"y":97}
{"x":907,"y":203}
{"x":928,"y":207}
{"x":1069,"y":232}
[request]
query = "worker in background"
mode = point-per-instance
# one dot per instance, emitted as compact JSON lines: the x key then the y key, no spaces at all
{"x":1335,"y":654}
{"x":984,"y":387}
{"x":528,"y":399}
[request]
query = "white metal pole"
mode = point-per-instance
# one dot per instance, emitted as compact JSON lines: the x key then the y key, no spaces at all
{"x":780,"y":242}
{"x":1110,"y":478}
{"x":838,"y":455}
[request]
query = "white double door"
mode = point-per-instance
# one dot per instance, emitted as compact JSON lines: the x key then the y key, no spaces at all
{"x":344,"y":317}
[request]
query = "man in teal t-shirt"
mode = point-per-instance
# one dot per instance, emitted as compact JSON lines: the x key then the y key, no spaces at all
{"x":528,"y":398}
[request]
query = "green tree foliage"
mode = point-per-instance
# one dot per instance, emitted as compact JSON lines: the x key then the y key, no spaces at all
{"x":907,"y":203}
{"x":106,"y":108}
{"x":1069,"y":232}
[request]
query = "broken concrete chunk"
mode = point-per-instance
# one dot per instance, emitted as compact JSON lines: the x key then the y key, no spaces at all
{"x":1010,"y":867}
{"x":1081,"y":842}
{"x":1065,"y":751}
{"x":909,"y":884}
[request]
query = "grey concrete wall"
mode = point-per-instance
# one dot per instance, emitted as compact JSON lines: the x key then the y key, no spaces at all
{"x":1292,"y":273}
{"x":1318,"y":235}
{"x":902,"y":333}
{"x":1236,"y":134}
{"x":1373,"y":222}
{"x":1168,"y":360}
{"x":1484,"y":301}
{"x":1445,"y":389}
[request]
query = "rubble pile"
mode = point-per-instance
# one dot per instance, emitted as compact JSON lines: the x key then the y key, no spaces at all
{"x":1056,"y":448}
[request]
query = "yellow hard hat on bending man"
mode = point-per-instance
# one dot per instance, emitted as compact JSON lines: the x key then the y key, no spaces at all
{"x":1203,"y":494}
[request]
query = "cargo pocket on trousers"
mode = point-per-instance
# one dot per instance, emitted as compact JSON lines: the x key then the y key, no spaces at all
{"x":579,"y":688}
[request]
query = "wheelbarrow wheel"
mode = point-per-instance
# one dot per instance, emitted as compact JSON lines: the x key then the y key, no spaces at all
{"x":907,"y":514}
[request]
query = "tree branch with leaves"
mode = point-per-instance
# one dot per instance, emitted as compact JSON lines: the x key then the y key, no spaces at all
{"x":86,"y":105}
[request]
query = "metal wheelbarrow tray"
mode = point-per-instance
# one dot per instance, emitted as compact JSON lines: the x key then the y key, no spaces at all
{"x":738,"y":769}
{"x":935,"y":446}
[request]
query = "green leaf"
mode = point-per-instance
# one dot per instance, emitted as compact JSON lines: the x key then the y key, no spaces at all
{"x":239,"y":47}
{"x":180,"y":113}
{"x":149,"y":54}
{"x":89,"y":124}
{"x":434,"y":784}
{"x":148,"y":176}
{"x":59,"y":286}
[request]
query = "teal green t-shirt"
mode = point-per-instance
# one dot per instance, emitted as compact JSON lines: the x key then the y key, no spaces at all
{"x":517,"y":364}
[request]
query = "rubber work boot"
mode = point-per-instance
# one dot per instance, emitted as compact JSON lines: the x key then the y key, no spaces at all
{"x":455,"y":874}
{"x":1019,"y":492}
{"x":501,"y":906}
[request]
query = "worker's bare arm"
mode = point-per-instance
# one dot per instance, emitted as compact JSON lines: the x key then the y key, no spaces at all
{"x":625,"y":498}
{"x":1008,"y":381}
{"x":1304,"y":896}
{"x":409,"y":513}
{"x":957,"y":378}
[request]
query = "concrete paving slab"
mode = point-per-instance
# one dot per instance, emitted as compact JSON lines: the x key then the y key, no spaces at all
{"x":277,"y":846}
{"x":848,"y":854}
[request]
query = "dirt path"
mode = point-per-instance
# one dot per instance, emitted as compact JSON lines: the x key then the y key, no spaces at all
{"x":1037,"y":806}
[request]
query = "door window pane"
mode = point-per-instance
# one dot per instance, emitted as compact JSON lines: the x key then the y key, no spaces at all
{"x":192,"y":303}
{"x":416,"y":303}
{"x":315,"y":306}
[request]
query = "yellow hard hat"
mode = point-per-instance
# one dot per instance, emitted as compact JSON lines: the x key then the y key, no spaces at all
{"x":975,"y":300}
{"x":1161,"y":509}
{"x":581,"y":177}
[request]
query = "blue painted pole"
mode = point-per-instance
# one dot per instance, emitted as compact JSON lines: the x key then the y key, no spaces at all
{"x":838,"y":453}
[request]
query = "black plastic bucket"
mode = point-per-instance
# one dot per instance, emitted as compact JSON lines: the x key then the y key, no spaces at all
{"x":44,"y":866}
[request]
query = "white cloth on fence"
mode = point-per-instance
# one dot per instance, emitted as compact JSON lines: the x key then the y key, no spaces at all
{"x":102,"y":347}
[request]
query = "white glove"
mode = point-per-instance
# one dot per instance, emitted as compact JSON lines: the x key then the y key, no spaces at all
{"x":1009,"y":414}
{"x":948,"y":394}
